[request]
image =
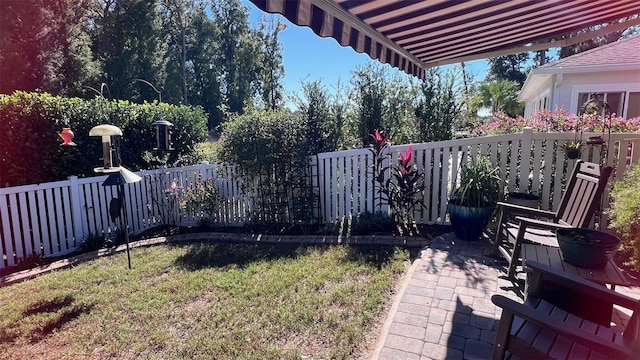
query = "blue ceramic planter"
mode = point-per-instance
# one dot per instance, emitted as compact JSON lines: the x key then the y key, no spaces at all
{"x":468,"y":223}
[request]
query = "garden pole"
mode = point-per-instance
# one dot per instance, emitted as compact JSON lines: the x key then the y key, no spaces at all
{"x":126,"y":222}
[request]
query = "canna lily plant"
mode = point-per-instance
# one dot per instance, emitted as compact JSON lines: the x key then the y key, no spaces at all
{"x":399,"y":185}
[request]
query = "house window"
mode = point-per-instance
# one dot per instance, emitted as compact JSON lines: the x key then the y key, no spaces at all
{"x":625,"y":104}
{"x":541,"y":103}
{"x":634,"y":105}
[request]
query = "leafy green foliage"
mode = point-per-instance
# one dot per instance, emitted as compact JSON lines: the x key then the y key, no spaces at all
{"x":500,"y":95}
{"x":480,"y":184}
{"x":270,"y":66}
{"x":238,"y":54}
{"x":93,"y":242}
{"x":625,"y":214}
{"x":323,"y":127}
{"x":32,"y":122}
{"x":44,"y":46}
{"x":128,"y":40}
{"x":438,"y":111}
{"x":271,"y":151}
{"x":381,"y":101}
{"x":369,"y":84}
{"x":193,"y":55}
{"x":259,"y":139}
{"x":509,"y":68}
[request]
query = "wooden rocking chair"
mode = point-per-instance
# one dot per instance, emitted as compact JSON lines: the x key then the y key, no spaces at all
{"x":579,"y":202}
{"x":540,"y":329}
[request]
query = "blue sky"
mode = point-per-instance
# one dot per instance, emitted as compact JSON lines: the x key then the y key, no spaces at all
{"x":309,"y":57}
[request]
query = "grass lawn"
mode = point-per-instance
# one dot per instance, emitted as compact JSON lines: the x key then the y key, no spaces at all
{"x":206,"y":301}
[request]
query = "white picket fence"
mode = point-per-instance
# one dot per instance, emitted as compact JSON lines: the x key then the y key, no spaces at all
{"x":528,"y":161}
{"x":53,"y":218}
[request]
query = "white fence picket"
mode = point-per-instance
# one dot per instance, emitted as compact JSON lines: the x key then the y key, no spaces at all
{"x":7,"y":238}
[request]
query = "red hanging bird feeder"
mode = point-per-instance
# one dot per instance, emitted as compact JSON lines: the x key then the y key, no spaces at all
{"x":67,"y":136}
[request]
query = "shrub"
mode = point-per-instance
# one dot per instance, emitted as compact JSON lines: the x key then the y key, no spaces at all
{"x":93,"y":242}
{"x":271,"y":151}
{"x":624,"y":214}
{"x":31,"y":123}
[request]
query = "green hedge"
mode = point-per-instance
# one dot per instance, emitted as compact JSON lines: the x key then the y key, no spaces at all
{"x":625,"y":215}
{"x":30,"y":124}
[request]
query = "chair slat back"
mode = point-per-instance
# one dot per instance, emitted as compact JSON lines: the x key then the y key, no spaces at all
{"x":583,"y":193}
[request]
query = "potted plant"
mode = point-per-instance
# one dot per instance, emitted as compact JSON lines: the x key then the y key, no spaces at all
{"x":572,"y":149}
{"x":473,"y":201}
{"x":527,"y":199}
{"x":587,"y":248}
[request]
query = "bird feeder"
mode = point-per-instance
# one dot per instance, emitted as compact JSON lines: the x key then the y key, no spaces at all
{"x":163,"y":135}
{"x":106,"y":132}
{"x":596,"y":104}
{"x":67,"y":136}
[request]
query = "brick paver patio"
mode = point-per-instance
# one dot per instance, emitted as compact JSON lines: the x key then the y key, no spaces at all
{"x":444,"y":309}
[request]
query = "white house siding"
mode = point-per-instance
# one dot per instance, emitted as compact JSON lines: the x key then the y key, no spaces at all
{"x":563,"y":89}
{"x":611,"y":68}
{"x":543,"y":97}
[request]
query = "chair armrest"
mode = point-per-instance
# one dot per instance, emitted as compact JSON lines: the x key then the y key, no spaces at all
{"x":524,"y":210}
{"x":582,"y":285}
{"x":574,"y":333}
{"x":540,"y":224}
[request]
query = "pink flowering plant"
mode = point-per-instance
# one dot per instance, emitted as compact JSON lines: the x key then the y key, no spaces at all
{"x":556,"y":121}
{"x":401,"y":190}
{"x":201,"y":197}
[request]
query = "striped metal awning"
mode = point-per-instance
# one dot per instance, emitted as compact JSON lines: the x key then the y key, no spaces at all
{"x":414,"y":35}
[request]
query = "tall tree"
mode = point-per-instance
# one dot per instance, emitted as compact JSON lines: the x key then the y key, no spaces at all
{"x":438,"y":110}
{"x":270,"y":64}
{"x":238,"y":54}
{"x":340,"y":109}
{"x":401,"y":92}
{"x":44,"y":46}
{"x":509,"y":67}
{"x":204,"y":72}
{"x":369,"y":96}
{"x":501,"y":95}
{"x":178,"y":22}
{"x":316,"y":112}
{"x":127,"y":38}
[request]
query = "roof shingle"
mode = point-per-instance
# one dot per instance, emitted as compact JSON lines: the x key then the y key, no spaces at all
{"x":625,"y":51}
